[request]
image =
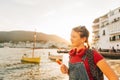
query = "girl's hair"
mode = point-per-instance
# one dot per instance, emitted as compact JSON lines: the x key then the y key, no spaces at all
{"x":83,"y":33}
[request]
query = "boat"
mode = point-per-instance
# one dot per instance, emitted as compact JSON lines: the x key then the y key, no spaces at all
{"x":111,"y":55}
{"x":54,"y":57}
{"x":62,"y":51}
{"x":33,"y":58}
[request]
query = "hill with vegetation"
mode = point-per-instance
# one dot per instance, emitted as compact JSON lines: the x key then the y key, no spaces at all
{"x":23,"y":36}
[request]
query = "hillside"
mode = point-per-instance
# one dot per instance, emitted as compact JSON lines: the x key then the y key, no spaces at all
{"x":28,"y":36}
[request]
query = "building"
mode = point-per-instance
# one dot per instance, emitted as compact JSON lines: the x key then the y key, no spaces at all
{"x":106,"y":30}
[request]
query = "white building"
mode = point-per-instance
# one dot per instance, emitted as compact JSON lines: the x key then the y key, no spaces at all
{"x":106,"y":30}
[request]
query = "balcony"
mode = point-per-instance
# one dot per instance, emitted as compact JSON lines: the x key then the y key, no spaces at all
{"x":104,"y":18}
{"x":95,"y":31}
{"x":96,"y":20}
{"x":114,"y":38}
{"x":95,"y":38}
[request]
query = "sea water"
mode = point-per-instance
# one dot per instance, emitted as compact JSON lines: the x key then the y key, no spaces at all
{"x":11,"y":67}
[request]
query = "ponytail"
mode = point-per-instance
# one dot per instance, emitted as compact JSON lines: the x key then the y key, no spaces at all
{"x":88,"y":45}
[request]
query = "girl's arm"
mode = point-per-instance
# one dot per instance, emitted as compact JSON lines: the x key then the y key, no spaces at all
{"x":106,"y":69}
{"x":63,"y":67}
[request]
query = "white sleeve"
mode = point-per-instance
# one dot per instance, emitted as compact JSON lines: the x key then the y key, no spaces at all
{"x":65,"y":59}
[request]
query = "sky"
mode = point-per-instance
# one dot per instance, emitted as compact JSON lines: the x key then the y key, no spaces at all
{"x":52,"y":16}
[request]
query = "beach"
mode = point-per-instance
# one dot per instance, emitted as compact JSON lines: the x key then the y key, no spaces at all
{"x":11,"y":67}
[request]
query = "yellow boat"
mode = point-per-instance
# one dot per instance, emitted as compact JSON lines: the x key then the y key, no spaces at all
{"x":33,"y":59}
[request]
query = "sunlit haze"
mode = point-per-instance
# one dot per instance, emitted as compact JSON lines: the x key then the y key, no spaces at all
{"x":52,"y":16}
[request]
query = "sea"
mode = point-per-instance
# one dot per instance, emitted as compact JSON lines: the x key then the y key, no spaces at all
{"x":11,"y":67}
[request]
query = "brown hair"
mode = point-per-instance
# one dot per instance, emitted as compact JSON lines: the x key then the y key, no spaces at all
{"x":84,"y":32}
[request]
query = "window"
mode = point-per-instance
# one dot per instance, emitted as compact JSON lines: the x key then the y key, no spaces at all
{"x":110,"y":39}
{"x":117,"y":37}
{"x":113,"y":38}
{"x":103,"y":32}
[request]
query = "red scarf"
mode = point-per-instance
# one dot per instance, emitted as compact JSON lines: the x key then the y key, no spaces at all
{"x":75,"y":56}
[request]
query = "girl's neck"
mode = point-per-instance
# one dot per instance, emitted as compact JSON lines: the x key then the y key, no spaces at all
{"x":80,"y":47}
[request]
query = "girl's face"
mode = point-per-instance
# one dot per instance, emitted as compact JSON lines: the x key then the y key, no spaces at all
{"x":76,"y":40}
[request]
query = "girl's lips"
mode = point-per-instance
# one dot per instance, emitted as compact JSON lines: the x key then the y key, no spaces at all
{"x":72,"y":42}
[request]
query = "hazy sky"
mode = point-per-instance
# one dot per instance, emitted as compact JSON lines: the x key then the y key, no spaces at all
{"x":52,"y":16}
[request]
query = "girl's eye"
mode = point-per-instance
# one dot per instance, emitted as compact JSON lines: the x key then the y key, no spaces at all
{"x":73,"y":36}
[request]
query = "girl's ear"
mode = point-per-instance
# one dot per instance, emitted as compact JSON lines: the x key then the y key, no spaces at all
{"x":84,"y":39}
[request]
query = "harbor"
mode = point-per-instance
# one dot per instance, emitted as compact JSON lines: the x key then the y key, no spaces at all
{"x":11,"y":67}
{"x":38,"y":36}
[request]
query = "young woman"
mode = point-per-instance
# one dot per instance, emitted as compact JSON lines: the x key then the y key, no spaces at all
{"x":79,"y":68}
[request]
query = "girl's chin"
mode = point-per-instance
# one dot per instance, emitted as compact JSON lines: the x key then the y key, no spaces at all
{"x":74,"y":45}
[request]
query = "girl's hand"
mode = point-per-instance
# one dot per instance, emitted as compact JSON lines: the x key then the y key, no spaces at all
{"x":64,"y":69}
{"x":58,"y":61}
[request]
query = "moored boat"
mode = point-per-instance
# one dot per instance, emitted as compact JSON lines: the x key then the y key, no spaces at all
{"x":54,"y":57}
{"x":62,"y":51}
{"x":110,"y":55}
{"x":33,"y":59}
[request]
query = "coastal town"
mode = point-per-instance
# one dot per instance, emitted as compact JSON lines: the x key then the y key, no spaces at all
{"x":28,"y":44}
{"x":106,"y":31}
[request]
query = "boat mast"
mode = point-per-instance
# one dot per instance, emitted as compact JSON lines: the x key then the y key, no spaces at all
{"x":34,"y":44}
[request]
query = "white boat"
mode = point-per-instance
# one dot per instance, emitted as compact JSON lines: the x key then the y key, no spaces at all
{"x":54,"y":57}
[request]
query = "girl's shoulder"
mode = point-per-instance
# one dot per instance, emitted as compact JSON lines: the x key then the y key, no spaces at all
{"x":97,"y":56}
{"x":94,"y":55}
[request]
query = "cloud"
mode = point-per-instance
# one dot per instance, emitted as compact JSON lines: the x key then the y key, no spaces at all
{"x":27,"y":2}
{"x":47,"y":15}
